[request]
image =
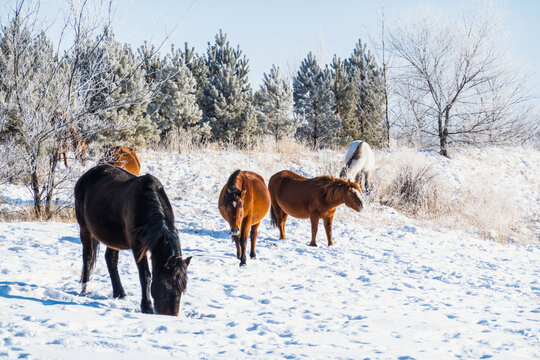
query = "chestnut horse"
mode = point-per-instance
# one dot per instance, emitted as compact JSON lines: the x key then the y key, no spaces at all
{"x":243,"y":203}
{"x":317,"y":198}
{"x":124,"y":212}
{"x":123,"y":157}
{"x":68,"y":137}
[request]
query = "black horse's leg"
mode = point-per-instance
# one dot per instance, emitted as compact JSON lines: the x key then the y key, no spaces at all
{"x":236,"y":240}
{"x":145,"y":278}
{"x":87,"y":255}
{"x":253,"y":238}
{"x":111,"y":257}
{"x":243,"y":241}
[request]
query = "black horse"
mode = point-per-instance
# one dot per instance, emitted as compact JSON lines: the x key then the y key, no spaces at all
{"x":124,"y":211}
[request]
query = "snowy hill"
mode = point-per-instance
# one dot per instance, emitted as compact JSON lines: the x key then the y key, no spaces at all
{"x":391,"y":287}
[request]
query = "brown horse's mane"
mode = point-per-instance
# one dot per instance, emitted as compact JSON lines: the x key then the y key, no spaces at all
{"x":234,"y":191}
{"x":159,"y":235}
{"x":331,"y":188}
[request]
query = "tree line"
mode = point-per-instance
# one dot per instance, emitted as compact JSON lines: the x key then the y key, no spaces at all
{"x":436,"y":83}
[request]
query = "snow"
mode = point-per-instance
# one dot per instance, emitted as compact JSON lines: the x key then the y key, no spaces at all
{"x":391,"y":287}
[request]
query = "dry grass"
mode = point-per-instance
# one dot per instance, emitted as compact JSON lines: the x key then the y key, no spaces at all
{"x":26,"y":213}
{"x":415,"y":186}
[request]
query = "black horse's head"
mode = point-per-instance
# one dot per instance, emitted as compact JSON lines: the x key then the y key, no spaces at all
{"x":168,"y":284}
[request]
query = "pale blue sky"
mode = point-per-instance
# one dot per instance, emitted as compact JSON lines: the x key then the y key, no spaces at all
{"x":284,"y":31}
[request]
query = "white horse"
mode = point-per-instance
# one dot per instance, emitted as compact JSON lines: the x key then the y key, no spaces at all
{"x":359,"y":163}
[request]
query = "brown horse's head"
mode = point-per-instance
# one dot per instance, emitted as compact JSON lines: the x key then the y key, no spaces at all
{"x":168,"y":285}
{"x":233,"y":207}
{"x":353,"y":198}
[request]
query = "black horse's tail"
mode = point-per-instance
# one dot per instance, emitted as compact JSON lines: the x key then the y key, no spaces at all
{"x":86,"y":237}
{"x":273,"y":220}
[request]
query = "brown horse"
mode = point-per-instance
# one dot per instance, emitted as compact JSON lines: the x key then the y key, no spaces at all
{"x":243,"y":203}
{"x":124,"y":211}
{"x":123,"y":157}
{"x":68,"y":137}
{"x":300,"y":197}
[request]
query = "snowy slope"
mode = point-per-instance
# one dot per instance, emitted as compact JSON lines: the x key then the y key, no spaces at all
{"x":389,"y":288}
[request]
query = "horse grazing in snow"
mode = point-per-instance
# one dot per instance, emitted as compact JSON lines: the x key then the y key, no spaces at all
{"x":124,"y":212}
{"x":68,"y":137}
{"x":243,"y":203}
{"x":300,"y":197}
{"x":359,"y":163}
{"x":123,"y":157}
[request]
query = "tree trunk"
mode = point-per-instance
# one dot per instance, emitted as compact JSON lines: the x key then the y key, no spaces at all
{"x":35,"y":192}
{"x":51,"y":185}
{"x":443,"y":132}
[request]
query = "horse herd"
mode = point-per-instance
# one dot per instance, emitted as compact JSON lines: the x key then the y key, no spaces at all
{"x":115,"y":206}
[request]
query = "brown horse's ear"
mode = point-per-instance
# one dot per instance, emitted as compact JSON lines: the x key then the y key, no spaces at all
{"x":187,"y":261}
{"x":243,"y":194}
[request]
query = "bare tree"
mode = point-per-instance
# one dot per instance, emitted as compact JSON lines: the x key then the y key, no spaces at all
{"x":455,"y":76}
{"x":37,"y":80}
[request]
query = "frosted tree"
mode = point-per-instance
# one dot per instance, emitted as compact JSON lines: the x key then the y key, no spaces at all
{"x":315,"y":103}
{"x":365,"y":78}
{"x":180,"y":87}
{"x":226,"y":97}
{"x":37,"y":83}
{"x":455,"y":75}
{"x":129,"y":123}
{"x":274,"y":100}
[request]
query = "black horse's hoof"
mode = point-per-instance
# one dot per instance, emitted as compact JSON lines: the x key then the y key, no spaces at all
{"x":243,"y":264}
{"x":253,"y":256}
{"x":147,"y":310}
{"x":122,"y":295}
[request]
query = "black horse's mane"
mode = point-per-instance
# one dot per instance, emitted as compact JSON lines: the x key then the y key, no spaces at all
{"x":159,"y":235}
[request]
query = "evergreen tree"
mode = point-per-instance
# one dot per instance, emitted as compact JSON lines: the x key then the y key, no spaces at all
{"x":346,"y":98}
{"x":119,"y":91}
{"x":365,"y":78}
{"x":226,"y":97}
{"x":315,"y":102}
{"x":274,"y":100}
{"x":174,"y":108}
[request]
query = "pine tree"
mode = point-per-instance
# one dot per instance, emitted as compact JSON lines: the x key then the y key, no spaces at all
{"x":226,"y":98}
{"x":120,"y":98}
{"x":346,"y":98}
{"x":173,"y":108}
{"x":315,"y":102}
{"x":274,"y":100}
{"x":365,"y":77}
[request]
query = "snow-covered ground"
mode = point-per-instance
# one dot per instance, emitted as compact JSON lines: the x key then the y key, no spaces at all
{"x":391,"y":287}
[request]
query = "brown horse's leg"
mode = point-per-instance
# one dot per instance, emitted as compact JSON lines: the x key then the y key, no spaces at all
{"x":282,"y":221}
{"x":145,"y":278}
{"x":314,"y":227}
{"x":64,"y":154}
{"x":328,"y":228}
{"x":111,"y":257}
{"x":253,"y":238}
{"x":83,"y":151}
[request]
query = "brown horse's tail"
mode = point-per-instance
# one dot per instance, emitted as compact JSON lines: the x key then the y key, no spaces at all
{"x":273,"y":220}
